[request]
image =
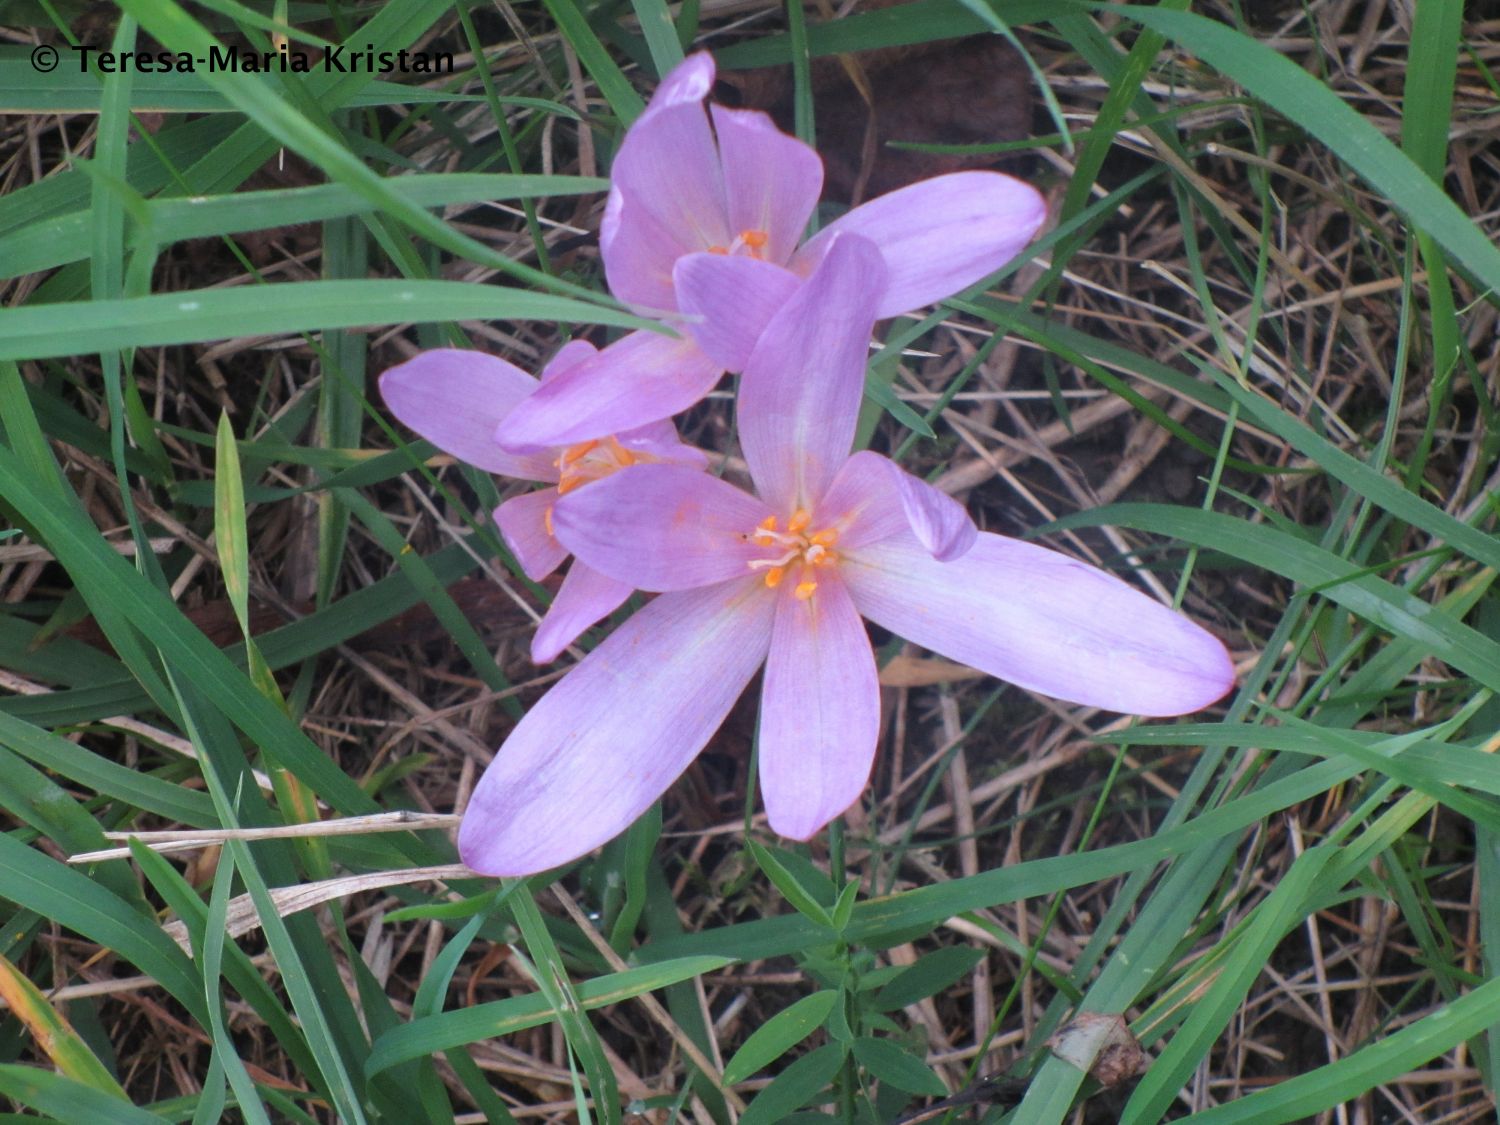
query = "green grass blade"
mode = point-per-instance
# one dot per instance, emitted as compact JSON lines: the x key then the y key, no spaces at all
{"x":63,"y":238}
{"x":613,"y":84}
{"x":40,"y":331}
{"x":447,"y":1030}
{"x":1300,"y":97}
{"x":67,"y":1100}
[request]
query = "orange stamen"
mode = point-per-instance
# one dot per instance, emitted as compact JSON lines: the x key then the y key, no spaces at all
{"x":547,"y":518}
{"x":774,"y":576}
{"x":578,"y":452}
{"x":799,"y":521}
{"x":622,"y":455}
{"x":804,"y":590}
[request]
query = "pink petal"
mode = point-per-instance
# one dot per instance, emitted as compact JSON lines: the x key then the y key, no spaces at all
{"x":873,"y":498}
{"x":455,"y":399}
{"x":940,"y":235}
{"x":616,"y":731}
{"x":730,"y":300}
{"x":568,"y":356}
{"x":801,"y":389}
{"x":688,"y":81}
{"x":659,"y":440}
{"x":820,"y":710}
{"x":523,"y":525}
{"x":585,"y":597}
{"x":662,"y":527}
{"x":639,"y":252}
{"x":1042,"y":621}
{"x":771,"y":180}
{"x":642,"y":378}
{"x":668,"y":168}
{"x":667,"y":195}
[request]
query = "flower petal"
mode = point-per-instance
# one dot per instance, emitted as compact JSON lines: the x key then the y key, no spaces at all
{"x":642,"y":378}
{"x":638,"y":252}
{"x":662,"y":527}
{"x":688,"y":81}
{"x":659,"y":441}
{"x":771,"y":180}
{"x":820,"y":710}
{"x":730,"y":299}
{"x":523,"y":525}
{"x":873,"y":498}
{"x":800,"y":391}
{"x":455,"y":399}
{"x":1042,"y":621}
{"x":940,"y":235}
{"x":585,"y":597}
{"x":568,"y":356}
{"x":616,"y":731}
{"x":668,"y":168}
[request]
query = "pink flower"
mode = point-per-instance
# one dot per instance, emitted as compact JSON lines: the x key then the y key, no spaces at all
{"x":455,"y":399}
{"x":782,"y":578}
{"x":740,"y":190}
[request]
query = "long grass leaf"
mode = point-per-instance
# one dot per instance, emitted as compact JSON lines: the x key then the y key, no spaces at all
{"x":39,"y":331}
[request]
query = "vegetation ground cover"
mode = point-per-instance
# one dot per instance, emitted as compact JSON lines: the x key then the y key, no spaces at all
{"x":257,"y":643}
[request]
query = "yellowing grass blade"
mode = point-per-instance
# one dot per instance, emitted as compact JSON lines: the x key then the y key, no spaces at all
{"x":54,"y":1036}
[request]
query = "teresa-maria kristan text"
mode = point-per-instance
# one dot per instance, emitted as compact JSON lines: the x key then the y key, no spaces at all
{"x":340,"y":59}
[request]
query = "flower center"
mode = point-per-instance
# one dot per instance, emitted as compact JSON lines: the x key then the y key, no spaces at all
{"x":589,"y":461}
{"x":799,"y":549}
{"x":751,"y":242}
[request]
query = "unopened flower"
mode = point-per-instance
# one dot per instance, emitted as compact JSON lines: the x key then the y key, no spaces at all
{"x":455,"y":399}
{"x":782,"y":578}
{"x":692,"y":182}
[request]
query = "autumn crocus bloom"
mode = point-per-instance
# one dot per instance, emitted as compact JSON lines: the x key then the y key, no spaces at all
{"x":455,"y":399}
{"x":782,"y":578}
{"x":691,"y":181}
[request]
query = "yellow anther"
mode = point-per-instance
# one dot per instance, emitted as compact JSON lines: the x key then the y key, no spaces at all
{"x":801,"y":552}
{"x":754,"y":241}
{"x":569,"y":483}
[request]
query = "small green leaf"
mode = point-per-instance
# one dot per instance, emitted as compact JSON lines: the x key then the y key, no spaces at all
{"x":843,"y":907}
{"x":795,"y":1086}
{"x":229,"y":523}
{"x":779,"y":1034}
{"x":896,"y":1067}
{"x":929,"y":976}
{"x":790,"y":888}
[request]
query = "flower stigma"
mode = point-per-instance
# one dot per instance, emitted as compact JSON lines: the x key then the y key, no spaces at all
{"x":800,"y":549}
{"x":752,"y":242}
{"x":589,"y":461}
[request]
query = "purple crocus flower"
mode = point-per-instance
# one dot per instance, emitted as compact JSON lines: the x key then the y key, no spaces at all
{"x":690,"y":181}
{"x":781,"y":578}
{"x":455,"y":399}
